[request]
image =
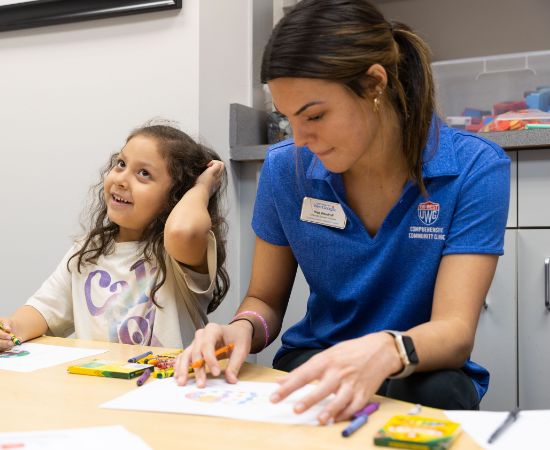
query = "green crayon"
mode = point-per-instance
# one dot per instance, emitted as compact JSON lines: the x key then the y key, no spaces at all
{"x":13,"y":337}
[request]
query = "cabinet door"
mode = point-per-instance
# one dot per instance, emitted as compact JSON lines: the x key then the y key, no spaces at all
{"x":533,"y":319}
{"x":513,"y":208}
{"x":534,"y":188}
{"x":496,"y":335}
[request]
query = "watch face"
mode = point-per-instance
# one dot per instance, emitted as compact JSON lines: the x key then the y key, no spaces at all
{"x":409,"y":348}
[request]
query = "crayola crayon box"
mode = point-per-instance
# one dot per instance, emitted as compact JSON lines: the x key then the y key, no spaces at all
{"x":112,"y":369}
{"x":416,"y":432}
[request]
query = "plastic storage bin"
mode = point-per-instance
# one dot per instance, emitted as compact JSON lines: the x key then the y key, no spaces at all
{"x":463,"y":85}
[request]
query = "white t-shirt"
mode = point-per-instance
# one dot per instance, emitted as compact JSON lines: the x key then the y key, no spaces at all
{"x":109,"y":300}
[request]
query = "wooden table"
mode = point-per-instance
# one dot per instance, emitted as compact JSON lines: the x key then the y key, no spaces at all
{"x":52,"y":399}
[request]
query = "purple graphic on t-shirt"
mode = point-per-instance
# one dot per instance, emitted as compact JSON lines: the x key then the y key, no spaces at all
{"x":140,"y":326}
{"x":123,"y":301}
{"x":104,"y":282}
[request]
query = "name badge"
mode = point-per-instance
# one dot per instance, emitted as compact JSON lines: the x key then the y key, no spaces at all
{"x":321,"y":212}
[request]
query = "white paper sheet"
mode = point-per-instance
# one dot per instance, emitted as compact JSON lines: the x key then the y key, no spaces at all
{"x":529,"y":431}
{"x":29,"y":357}
{"x":245,"y":400}
{"x":94,"y":438}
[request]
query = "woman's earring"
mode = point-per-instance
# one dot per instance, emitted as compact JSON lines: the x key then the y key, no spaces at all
{"x":376,"y":105}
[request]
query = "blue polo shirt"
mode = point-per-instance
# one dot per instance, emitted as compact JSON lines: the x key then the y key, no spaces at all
{"x":360,"y":283}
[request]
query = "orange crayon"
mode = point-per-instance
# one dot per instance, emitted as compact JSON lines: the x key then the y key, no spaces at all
{"x":219,"y":352}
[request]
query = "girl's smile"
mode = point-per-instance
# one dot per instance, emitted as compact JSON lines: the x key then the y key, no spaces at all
{"x":118,"y":200}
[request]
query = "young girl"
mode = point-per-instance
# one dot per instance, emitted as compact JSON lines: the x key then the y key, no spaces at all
{"x":152,"y":263}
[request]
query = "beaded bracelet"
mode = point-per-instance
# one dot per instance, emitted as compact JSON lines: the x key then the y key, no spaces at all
{"x":261,"y":319}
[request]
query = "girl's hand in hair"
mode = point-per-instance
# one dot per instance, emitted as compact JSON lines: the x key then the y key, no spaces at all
{"x":206,"y":341}
{"x":211,"y":178}
{"x":351,"y":370}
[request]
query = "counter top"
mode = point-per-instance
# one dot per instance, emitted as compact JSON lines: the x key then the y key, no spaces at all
{"x":248,"y":135}
{"x":520,"y":139}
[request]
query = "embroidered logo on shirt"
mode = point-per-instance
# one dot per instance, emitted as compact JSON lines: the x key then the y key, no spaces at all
{"x":428,"y":212}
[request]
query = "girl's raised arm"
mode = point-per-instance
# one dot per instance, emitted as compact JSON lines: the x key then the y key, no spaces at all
{"x":188,"y":225}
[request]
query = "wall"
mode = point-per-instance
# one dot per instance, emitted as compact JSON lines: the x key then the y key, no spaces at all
{"x":71,"y":93}
{"x":225,"y":77}
{"x":469,"y":28}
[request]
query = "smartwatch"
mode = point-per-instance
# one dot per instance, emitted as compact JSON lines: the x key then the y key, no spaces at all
{"x":407,"y":353}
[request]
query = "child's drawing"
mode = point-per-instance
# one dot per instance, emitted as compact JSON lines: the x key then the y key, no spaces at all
{"x":14,"y":353}
{"x":226,"y":397}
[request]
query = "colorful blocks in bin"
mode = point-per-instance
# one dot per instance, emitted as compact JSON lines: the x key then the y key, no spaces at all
{"x":539,"y":99}
{"x":502,"y":107}
{"x":475,"y":113}
{"x":474,"y":128}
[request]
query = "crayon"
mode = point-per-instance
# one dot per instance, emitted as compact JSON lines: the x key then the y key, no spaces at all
{"x":219,"y":352}
{"x":173,"y":354}
{"x":138,"y":357}
{"x":510,"y":419}
{"x":369,"y":409}
{"x":13,"y":337}
{"x":143,"y":377}
{"x":164,"y":373}
{"x":360,"y":418}
{"x":355,"y":424}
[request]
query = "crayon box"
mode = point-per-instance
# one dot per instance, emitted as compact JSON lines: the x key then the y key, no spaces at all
{"x":416,"y":432}
{"x":112,"y":369}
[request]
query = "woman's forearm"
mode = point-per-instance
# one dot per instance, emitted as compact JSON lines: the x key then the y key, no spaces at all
{"x":264,"y":333}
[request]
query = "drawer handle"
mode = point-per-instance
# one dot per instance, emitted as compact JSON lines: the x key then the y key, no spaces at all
{"x":547,"y":284}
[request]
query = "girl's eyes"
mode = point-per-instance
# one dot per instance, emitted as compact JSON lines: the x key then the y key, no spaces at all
{"x":120,"y":164}
{"x":315,"y":117}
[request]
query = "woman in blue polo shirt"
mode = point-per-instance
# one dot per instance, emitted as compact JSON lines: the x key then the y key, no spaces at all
{"x":395,"y":220}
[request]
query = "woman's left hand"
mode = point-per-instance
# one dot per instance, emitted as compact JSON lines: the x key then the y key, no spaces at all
{"x":352,"y":370}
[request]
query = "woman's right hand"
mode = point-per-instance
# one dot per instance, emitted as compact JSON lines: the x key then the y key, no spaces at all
{"x":206,"y":341}
{"x":5,"y":339}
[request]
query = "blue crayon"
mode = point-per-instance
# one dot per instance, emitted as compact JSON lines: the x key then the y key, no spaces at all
{"x":355,"y":424}
{"x":138,"y":357}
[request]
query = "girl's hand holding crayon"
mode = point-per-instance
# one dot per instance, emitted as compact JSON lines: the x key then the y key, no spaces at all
{"x":204,"y":346}
{"x":7,"y":334}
